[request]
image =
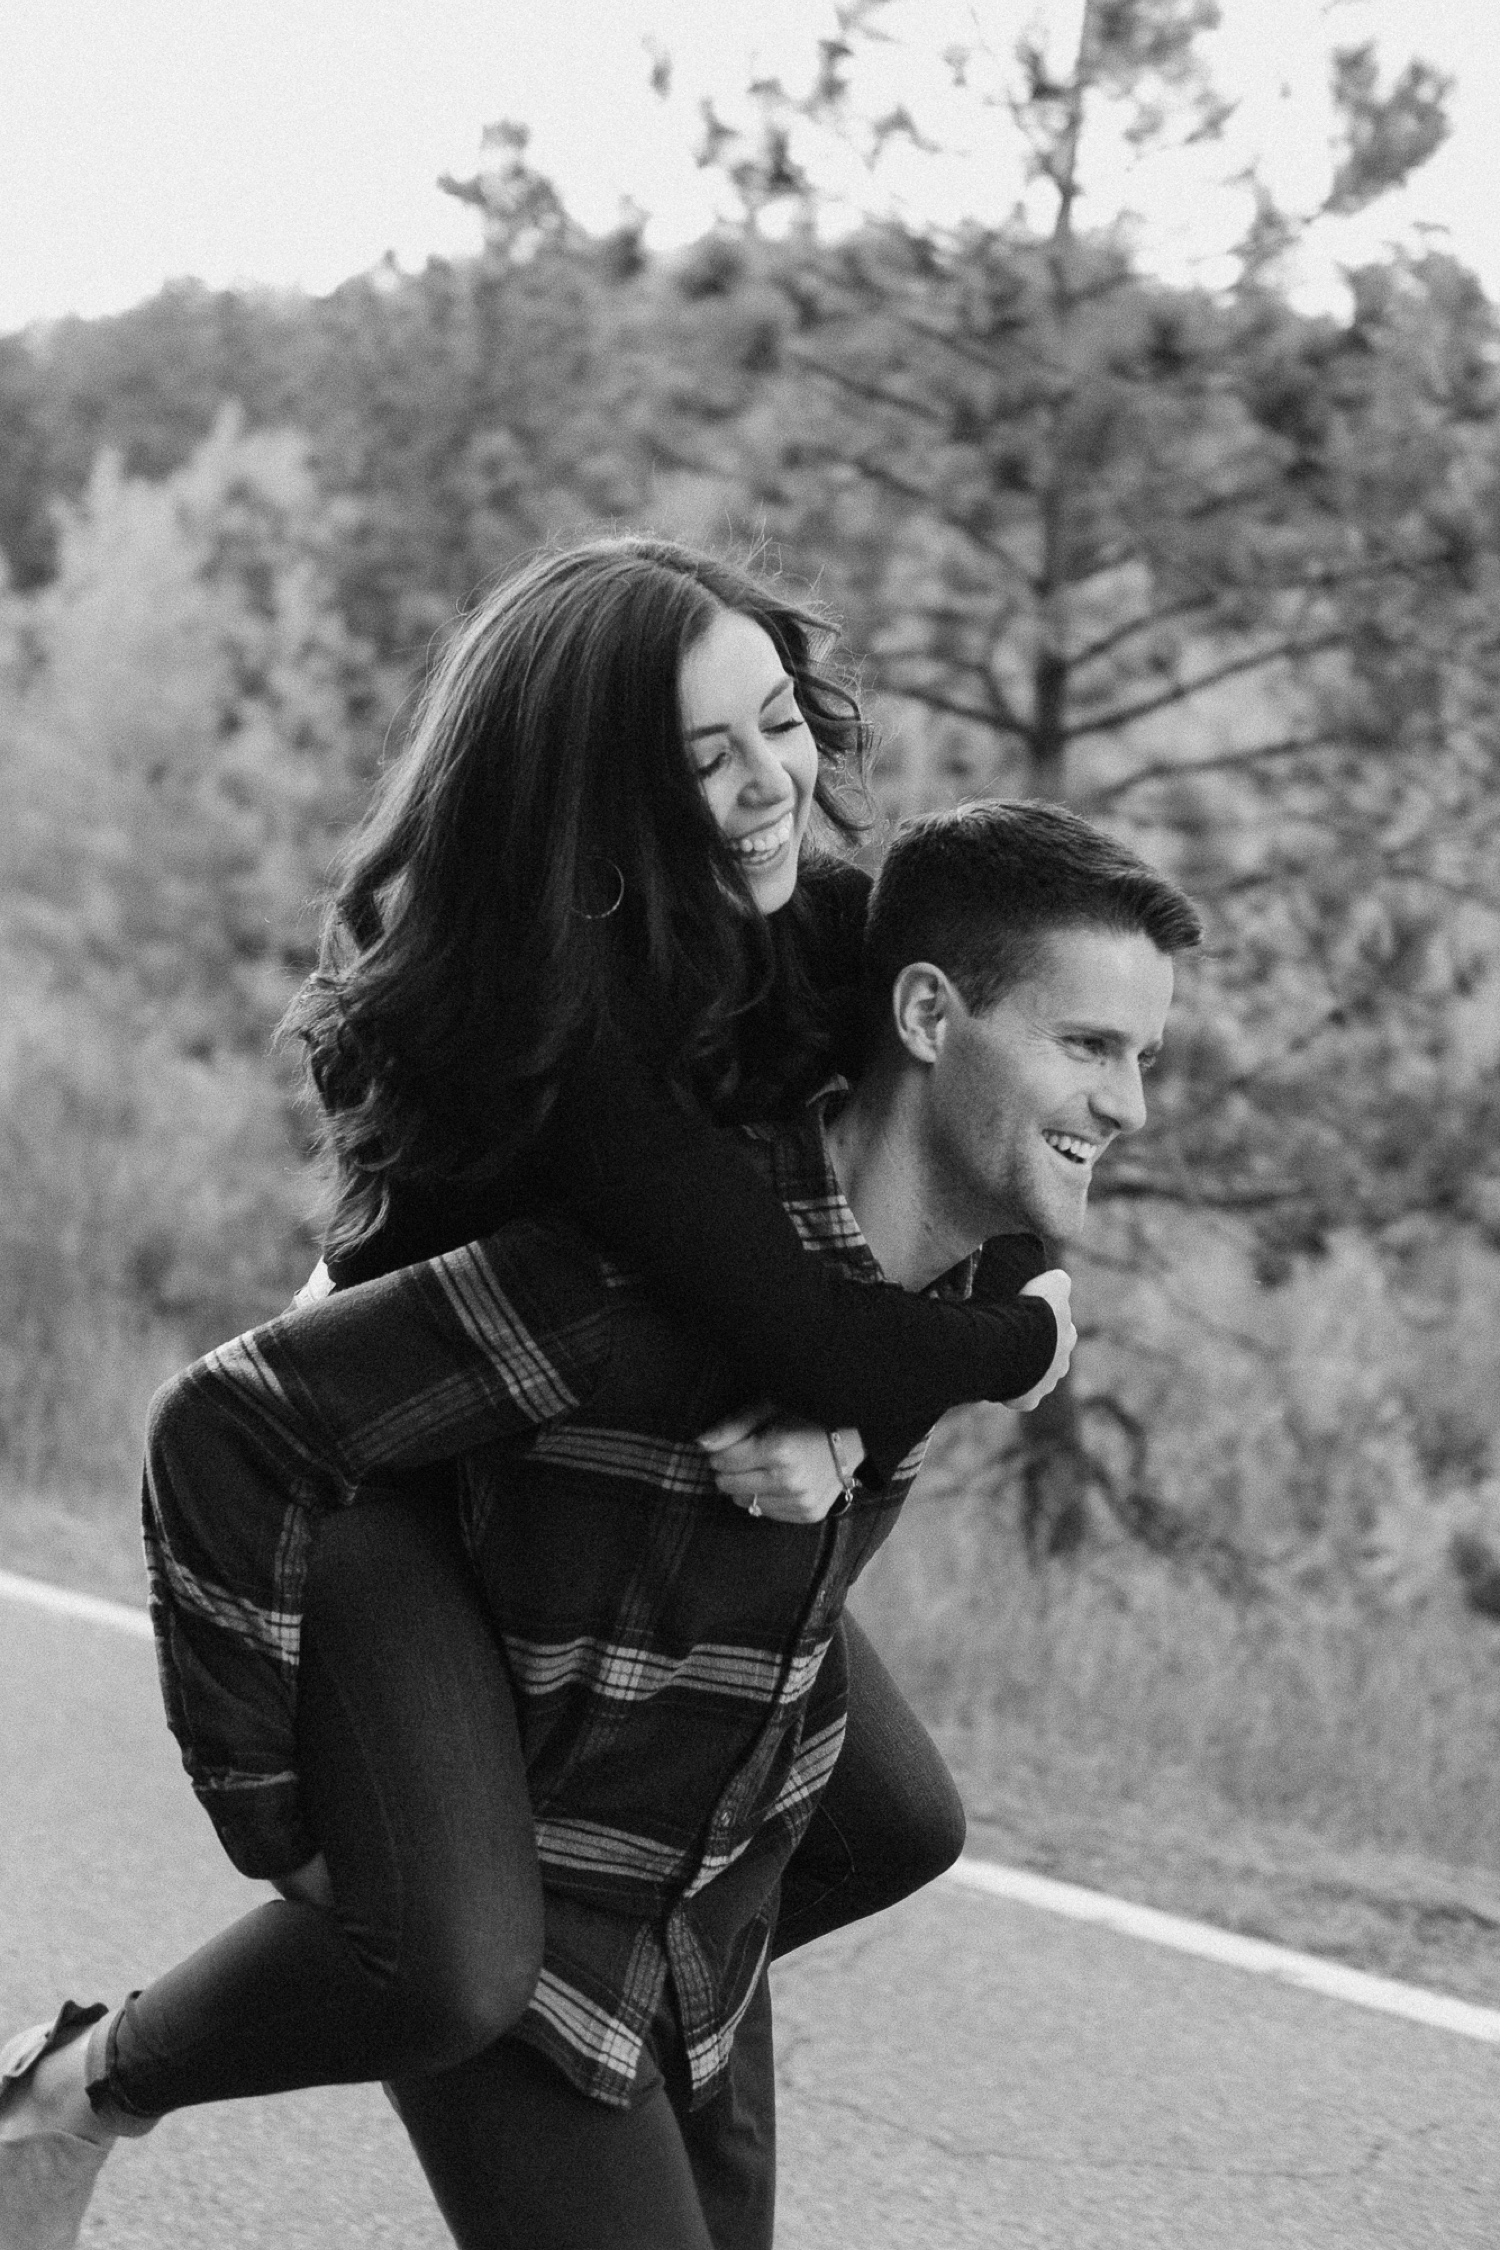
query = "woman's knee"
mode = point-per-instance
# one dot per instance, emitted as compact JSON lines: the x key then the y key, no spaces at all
{"x":459,"y":1997}
{"x":912,"y":1829}
{"x":937,"y":1835}
{"x":891,"y":1791}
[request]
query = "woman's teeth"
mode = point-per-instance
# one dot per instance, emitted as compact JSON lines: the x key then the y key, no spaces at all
{"x":1071,"y":1145}
{"x":765,"y":843}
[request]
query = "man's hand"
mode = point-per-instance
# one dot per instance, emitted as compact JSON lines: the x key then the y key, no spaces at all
{"x":786,"y":1466}
{"x":309,"y":1885}
{"x":1057,"y":1288}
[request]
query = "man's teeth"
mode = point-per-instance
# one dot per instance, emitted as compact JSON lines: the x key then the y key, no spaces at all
{"x":765,"y":843}
{"x":1071,"y":1145}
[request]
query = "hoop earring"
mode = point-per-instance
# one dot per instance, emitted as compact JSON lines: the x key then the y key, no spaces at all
{"x":613,"y":908}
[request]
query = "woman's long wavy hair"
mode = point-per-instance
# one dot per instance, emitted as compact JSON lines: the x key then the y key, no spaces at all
{"x":539,"y":870}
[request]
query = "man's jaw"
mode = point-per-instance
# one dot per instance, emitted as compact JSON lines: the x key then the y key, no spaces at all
{"x":1052,"y":1201}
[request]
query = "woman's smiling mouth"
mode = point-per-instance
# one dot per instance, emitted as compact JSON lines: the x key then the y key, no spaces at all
{"x":766,"y":844}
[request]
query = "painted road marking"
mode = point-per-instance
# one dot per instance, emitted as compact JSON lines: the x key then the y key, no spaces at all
{"x":65,"y":1603}
{"x":1201,"y":1938}
{"x":1226,"y":1946}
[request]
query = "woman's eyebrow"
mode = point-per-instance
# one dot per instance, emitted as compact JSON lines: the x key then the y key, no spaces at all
{"x":721,"y":726}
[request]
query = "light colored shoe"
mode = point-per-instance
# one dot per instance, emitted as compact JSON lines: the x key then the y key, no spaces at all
{"x":46,"y":2177}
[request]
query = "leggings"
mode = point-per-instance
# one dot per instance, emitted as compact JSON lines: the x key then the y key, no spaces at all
{"x":416,"y":1792}
{"x":518,"y":2159}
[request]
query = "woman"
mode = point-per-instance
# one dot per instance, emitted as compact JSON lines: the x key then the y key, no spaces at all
{"x":581,"y":927}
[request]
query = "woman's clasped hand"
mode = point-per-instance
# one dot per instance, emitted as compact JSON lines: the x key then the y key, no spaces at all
{"x":793,"y":1470}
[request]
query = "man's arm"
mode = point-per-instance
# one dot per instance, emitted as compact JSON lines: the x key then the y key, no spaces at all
{"x":248,"y":1445}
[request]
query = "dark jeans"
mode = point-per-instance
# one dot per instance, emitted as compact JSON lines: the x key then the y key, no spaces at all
{"x":518,"y":2159}
{"x":416,"y":1791}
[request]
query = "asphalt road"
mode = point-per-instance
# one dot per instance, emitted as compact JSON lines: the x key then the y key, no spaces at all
{"x":966,"y":2072}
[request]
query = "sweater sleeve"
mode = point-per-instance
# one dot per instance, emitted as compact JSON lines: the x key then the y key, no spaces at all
{"x":686,"y":1205}
{"x":248,"y":1446}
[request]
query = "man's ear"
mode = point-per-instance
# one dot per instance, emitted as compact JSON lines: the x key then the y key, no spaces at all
{"x":922,"y":1006}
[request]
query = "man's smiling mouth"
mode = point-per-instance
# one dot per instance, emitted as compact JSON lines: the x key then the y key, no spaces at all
{"x":1073,"y":1146}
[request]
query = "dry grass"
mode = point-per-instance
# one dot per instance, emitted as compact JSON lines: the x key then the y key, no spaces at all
{"x":79,"y":1543}
{"x":1397,"y":1913}
{"x":1312,"y":1770}
{"x":1365,"y":1724}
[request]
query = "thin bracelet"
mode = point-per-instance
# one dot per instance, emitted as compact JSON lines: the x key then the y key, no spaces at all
{"x":842,"y":1470}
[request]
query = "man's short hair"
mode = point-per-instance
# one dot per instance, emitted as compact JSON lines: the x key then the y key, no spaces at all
{"x":975,"y":892}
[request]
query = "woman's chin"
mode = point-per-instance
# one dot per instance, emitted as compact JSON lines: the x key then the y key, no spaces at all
{"x":772,"y":889}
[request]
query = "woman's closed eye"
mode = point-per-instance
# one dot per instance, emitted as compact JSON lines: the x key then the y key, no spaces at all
{"x":705,"y":768}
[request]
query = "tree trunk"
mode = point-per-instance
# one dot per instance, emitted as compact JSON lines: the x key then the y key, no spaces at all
{"x":1054,"y":1477}
{"x":1047,"y":736}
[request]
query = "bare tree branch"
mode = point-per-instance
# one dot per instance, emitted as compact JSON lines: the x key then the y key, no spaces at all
{"x":875,"y":394}
{"x":957,"y":666}
{"x":1149,"y":622}
{"x":1264,"y":1066}
{"x":972,"y":355}
{"x":1169,"y":769}
{"x":996,"y":719}
{"x":889,"y":480}
{"x":987,"y":625}
{"x":1125,"y":714}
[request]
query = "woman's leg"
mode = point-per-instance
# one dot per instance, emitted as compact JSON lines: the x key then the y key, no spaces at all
{"x":417,"y":1795}
{"x":890,"y":1820}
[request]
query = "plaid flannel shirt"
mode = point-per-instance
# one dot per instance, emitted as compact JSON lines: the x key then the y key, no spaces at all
{"x":677,"y":1716}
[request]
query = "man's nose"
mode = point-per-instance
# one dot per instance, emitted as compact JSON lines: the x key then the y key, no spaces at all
{"x":1120,"y":1099}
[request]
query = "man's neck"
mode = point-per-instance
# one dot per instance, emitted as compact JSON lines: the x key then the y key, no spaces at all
{"x":887,"y":1181}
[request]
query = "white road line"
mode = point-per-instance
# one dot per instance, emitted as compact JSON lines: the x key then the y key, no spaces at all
{"x":65,"y":1603}
{"x":1305,"y":1969}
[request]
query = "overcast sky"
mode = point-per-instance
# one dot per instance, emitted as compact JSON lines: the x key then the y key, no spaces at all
{"x":296,"y":142}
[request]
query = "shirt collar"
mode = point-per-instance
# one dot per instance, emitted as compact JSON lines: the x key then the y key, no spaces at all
{"x":805,"y":1180}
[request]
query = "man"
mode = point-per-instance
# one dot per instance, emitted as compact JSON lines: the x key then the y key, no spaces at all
{"x":1019,"y":969}
{"x":678,"y":1717}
